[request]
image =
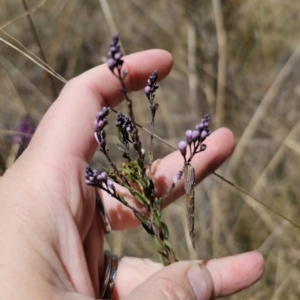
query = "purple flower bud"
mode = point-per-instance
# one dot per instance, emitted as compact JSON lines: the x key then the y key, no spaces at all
{"x":177,"y":177}
{"x":104,"y":176}
{"x":147,"y":90}
{"x":115,"y":54}
{"x":202,"y":147}
{"x":195,"y":135}
{"x":106,"y":109}
{"x":111,"y":63}
{"x":118,"y":55}
{"x":182,"y":147}
{"x":206,"y":117}
{"x":25,"y":131}
{"x":143,"y":151}
{"x":100,"y":115}
{"x":103,"y":113}
{"x":188,"y":136}
{"x":96,"y":127}
{"x":199,"y":126}
{"x":100,"y":125}
{"x":110,"y":184}
{"x":151,"y":86}
{"x":97,"y":137}
{"x":203,"y":134}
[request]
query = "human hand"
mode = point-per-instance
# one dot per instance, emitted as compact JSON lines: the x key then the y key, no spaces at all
{"x":51,"y":233}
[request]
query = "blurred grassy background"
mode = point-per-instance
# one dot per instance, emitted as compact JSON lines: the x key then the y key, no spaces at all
{"x":237,"y":59}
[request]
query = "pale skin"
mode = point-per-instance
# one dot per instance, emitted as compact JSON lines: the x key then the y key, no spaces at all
{"x":50,"y":230}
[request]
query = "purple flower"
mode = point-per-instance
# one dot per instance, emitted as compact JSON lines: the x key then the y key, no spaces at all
{"x":182,"y":147}
{"x":202,"y":147}
{"x":204,"y":134}
{"x":147,"y":90}
{"x":150,"y":89}
{"x":102,"y":177}
{"x":25,"y":132}
{"x":177,"y":177}
{"x":127,"y":129}
{"x":195,"y":135}
{"x":110,"y":184}
{"x":115,"y":54}
{"x":99,"y":124}
{"x":195,"y":138}
{"x":188,"y":136}
{"x":103,"y":112}
{"x":91,"y":176}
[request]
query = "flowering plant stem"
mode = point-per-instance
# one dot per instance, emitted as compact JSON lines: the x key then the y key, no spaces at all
{"x":133,"y":174}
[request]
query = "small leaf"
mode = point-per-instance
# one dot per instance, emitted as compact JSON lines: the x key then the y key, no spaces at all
{"x":127,"y":156}
{"x":141,"y":218}
{"x":122,"y":199}
{"x":150,"y":156}
{"x":164,"y":259}
{"x":157,"y":222}
{"x":147,"y":228}
{"x":138,"y":147}
{"x":157,"y":205}
{"x":149,"y":189}
{"x":121,"y":148}
{"x":160,"y":245}
{"x":121,"y":136}
{"x":169,"y":246}
{"x":165,"y":230}
{"x":139,"y":197}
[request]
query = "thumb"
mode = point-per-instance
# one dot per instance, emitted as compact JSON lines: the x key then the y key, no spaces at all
{"x":182,"y":280}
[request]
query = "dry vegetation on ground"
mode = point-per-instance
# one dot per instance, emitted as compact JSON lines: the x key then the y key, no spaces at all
{"x":239,"y":60}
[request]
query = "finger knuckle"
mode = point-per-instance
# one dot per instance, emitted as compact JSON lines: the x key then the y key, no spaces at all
{"x":171,"y":289}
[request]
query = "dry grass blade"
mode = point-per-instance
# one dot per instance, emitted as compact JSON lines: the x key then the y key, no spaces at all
{"x":257,"y":203}
{"x":261,"y":111}
{"x":286,"y":283}
{"x":192,"y":69}
{"x":24,"y":14}
{"x":189,"y":187}
{"x":275,"y":160}
{"x":108,"y":17}
{"x":221,"y":37}
{"x":15,"y":72}
{"x":54,"y":90}
{"x":41,"y":65}
{"x":61,"y":31}
{"x":15,"y":95}
{"x":261,"y":182}
{"x":153,"y":16}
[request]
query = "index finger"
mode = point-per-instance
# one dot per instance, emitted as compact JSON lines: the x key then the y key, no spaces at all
{"x":68,"y":124}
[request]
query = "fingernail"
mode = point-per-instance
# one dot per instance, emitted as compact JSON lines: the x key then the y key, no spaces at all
{"x":200,"y":280}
